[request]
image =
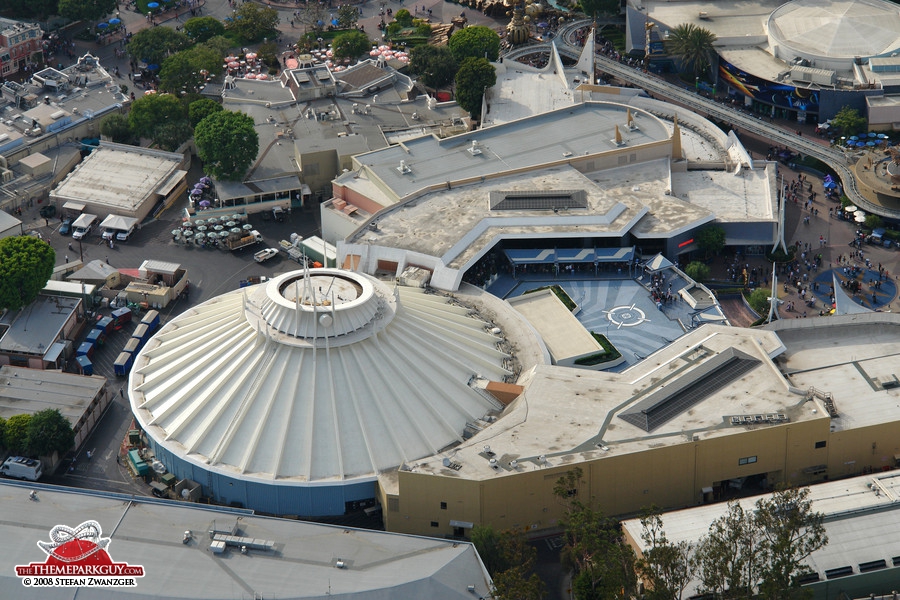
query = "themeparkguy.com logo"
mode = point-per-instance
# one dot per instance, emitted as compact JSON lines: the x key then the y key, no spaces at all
{"x":78,"y":557}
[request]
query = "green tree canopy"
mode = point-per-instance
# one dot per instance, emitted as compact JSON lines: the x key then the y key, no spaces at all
{"x":698,"y":271}
{"x":171,"y":134}
{"x":849,"y":121}
{"x":434,"y":65}
{"x":86,"y":10}
{"x":48,"y":432}
{"x":347,"y":16}
{"x":594,"y":8}
{"x":510,"y":561}
{"x":182,"y":72}
{"x":219,"y":44}
{"x":153,"y":45}
{"x":26,"y":264}
{"x":475,"y":42}
{"x":472,"y":78}
{"x":200,"y":29}
{"x":268,"y":54}
{"x":38,"y":10}
{"x":2,"y":433}
{"x":693,"y":45}
{"x":227,"y":143}
{"x":252,"y":22}
{"x":350,"y":44}
{"x":17,"y":433}
{"x":666,"y":567}
{"x":150,"y":110}
{"x":759,"y":300}
{"x":116,"y":128}
{"x":711,"y":240}
{"x":728,"y":558}
{"x":202,"y":108}
{"x":873,"y":222}
{"x":403,"y":17}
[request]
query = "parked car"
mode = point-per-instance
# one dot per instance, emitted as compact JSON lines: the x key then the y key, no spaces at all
{"x":20,"y":467}
{"x":66,"y":227}
{"x":48,"y":211}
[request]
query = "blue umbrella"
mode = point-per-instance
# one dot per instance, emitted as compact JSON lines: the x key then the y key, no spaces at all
{"x":335,"y":22}
{"x":153,"y":5}
{"x":102,"y":25}
{"x":153,"y":67}
{"x":872,"y":134}
{"x":115,"y":21}
{"x":870,"y":143}
{"x":860,"y":144}
{"x":854,"y":138}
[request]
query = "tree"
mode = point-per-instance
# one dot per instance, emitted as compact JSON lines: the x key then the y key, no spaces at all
{"x":26,"y":264}
{"x":2,"y":433}
{"x":592,"y":8}
{"x":116,"y":128}
{"x":48,"y":432}
{"x":510,"y":561}
{"x":200,"y":109}
{"x":200,"y":29}
{"x":434,"y":65}
{"x":475,"y":42}
{"x":347,"y":16}
{"x":155,"y":44}
{"x":595,"y":549}
{"x":227,"y":143}
{"x":172,"y":134}
{"x":152,"y":111}
{"x":184,"y":71}
{"x":86,"y":10}
{"x":219,"y":44}
{"x":873,"y":222}
{"x":791,"y":532}
{"x":849,"y":121}
{"x":350,"y":44}
{"x":667,"y":567}
{"x":17,"y":433}
{"x":473,"y":77}
{"x":268,"y":54}
{"x":693,"y":45}
{"x":711,"y":240}
{"x":728,"y":557}
{"x":403,"y":17}
{"x":697,"y":271}
{"x":759,"y":300}
{"x":37,"y":10}
{"x":252,"y":22}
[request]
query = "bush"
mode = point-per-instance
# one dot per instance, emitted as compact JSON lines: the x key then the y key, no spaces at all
{"x":609,"y":353}
{"x":697,"y":271}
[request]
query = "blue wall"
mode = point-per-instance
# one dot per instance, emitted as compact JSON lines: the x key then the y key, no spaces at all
{"x":305,"y":501}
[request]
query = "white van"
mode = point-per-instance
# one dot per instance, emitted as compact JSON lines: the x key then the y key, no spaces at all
{"x":20,"y":467}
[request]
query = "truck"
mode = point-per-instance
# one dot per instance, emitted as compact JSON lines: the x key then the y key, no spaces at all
{"x":253,"y":237}
{"x":253,"y":280}
{"x":123,"y":363}
{"x":294,"y":248}
{"x":83,"y":226}
{"x":20,"y":467}
{"x":265,"y":254}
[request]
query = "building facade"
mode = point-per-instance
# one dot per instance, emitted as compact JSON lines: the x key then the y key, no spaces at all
{"x":20,"y":43}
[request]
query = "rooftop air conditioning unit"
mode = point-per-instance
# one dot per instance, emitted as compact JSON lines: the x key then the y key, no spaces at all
{"x":404,"y":169}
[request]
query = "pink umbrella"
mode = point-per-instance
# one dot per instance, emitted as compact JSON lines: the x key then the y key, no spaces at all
{"x":249,"y":76}
{"x":251,"y":56}
{"x":374,"y":53}
{"x":233,"y":64}
{"x":230,"y":58}
{"x":329,"y":54}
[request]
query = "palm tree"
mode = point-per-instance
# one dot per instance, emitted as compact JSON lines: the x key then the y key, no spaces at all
{"x":693,"y":45}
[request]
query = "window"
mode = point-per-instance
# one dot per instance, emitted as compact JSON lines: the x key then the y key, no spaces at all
{"x":443,"y":506}
{"x":434,"y":523}
{"x":821,"y":444}
{"x":747,"y":460}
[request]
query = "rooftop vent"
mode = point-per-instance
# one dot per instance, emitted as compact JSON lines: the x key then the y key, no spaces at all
{"x":474,"y":150}
{"x":340,"y":564}
{"x":404,"y":169}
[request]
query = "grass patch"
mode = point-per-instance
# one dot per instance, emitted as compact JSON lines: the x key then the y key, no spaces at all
{"x":609,"y":353}
{"x":560,"y":293}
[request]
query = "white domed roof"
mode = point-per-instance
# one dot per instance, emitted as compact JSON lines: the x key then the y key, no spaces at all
{"x":328,"y":377}
{"x":835,"y":28}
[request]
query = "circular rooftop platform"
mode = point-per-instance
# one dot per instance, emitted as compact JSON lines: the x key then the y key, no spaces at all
{"x":325,"y":377}
{"x":838,"y":29}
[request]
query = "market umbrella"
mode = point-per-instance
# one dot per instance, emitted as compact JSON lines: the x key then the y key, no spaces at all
{"x":854,"y":138}
{"x":860,"y":144}
{"x":872,"y":134}
{"x":204,"y":203}
{"x":115,"y":21}
{"x":202,"y":228}
{"x":236,"y":217}
{"x":850,"y":208}
{"x":199,"y":222}
{"x":212,"y":221}
{"x":196,"y":193}
{"x":153,"y":67}
{"x":870,"y":144}
{"x":230,"y":224}
{"x":883,"y":136}
{"x":200,"y":235}
{"x":860,"y":218}
{"x":234,"y":230}
{"x":211,"y":235}
{"x":219,"y":228}
{"x":176,"y":232}
{"x":205,"y":180}
{"x":187,"y":233}
{"x":102,"y":25}
{"x":153,"y":5}
{"x":248,"y":227}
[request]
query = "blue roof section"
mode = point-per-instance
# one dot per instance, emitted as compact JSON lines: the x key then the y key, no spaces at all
{"x":569,"y":255}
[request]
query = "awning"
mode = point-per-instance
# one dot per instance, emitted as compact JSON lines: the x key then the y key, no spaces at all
{"x":169,"y":184}
{"x":54,"y":351}
{"x":462,"y":524}
{"x":73,"y":206}
{"x":706,"y":490}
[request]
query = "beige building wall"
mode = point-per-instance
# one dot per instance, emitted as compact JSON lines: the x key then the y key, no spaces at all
{"x":670,"y":476}
{"x":862,"y":450}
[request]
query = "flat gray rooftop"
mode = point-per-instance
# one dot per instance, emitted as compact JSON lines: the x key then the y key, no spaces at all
{"x":301,"y":565}
{"x":33,"y":328}
{"x":27,"y":391}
